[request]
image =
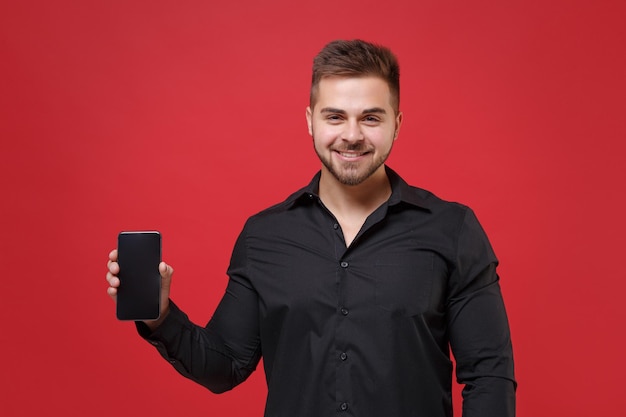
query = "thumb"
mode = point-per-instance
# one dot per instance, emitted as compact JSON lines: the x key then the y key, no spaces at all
{"x":166,"y":273}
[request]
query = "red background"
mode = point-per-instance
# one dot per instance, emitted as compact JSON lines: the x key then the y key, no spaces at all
{"x":188,"y":117}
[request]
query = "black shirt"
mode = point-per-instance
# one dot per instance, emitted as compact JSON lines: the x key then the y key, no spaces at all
{"x":363,"y":330}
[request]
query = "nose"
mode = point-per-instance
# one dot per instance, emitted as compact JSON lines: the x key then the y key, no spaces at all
{"x":352,"y":131}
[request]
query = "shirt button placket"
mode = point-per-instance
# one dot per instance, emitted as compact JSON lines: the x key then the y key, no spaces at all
{"x":344,"y":265}
{"x":343,"y":356}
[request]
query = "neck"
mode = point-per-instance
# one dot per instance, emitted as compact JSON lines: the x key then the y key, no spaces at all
{"x":354,"y":200}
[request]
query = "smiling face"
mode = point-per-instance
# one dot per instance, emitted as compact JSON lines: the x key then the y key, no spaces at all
{"x":354,"y":126}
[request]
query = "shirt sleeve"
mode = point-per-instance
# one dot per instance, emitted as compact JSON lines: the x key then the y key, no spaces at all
{"x":479,"y":331}
{"x":227,"y":350}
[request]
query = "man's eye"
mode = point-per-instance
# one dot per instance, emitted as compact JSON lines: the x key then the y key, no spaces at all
{"x":371,"y":119}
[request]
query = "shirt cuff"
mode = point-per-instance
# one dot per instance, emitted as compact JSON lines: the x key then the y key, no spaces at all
{"x":171,"y":325}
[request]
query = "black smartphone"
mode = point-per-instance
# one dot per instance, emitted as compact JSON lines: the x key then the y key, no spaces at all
{"x":139,"y":293}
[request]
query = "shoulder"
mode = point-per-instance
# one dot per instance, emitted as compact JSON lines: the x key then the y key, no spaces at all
{"x":444,"y":216}
{"x":279,"y":214}
{"x":405,"y":194}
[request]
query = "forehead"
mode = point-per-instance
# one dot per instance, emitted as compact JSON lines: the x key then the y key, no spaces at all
{"x":353,"y":93}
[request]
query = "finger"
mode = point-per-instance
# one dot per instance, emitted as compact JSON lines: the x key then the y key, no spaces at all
{"x":113,"y":255}
{"x":166,"y":270}
{"x":114,"y":283}
{"x":166,"y":274}
{"x":112,"y":292}
{"x":113,"y":280}
{"x":114,"y":268}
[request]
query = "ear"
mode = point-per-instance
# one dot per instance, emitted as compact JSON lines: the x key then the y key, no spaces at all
{"x":309,"y":119}
{"x":398,"y":124}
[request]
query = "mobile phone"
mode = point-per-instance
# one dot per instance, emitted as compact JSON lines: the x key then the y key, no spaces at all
{"x":139,"y":293}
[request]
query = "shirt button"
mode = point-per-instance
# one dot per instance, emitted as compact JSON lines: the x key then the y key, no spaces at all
{"x":343,"y":406}
{"x":343,"y":356}
{"x":335,"y":226}
{"x":344,"y":311}
{"x":344,"y":264}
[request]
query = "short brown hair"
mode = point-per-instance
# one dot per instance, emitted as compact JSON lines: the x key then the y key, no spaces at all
{"x":356,"y":58}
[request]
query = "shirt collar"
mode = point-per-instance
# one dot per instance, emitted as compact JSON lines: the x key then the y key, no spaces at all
{"x":400,"y":192}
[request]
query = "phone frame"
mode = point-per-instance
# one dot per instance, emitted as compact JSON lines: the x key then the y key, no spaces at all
{"x":139,"y":293}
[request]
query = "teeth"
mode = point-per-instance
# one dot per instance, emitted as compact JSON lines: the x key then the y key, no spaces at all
{"x":349,"y":155}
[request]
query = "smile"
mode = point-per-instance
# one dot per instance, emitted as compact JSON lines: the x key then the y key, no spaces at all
{"x":351,"y":155}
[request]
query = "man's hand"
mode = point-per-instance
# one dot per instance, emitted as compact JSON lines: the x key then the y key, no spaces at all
{"x":166,"y":272}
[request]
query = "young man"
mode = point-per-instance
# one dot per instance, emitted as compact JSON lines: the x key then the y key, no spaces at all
{"x":354,"y":288}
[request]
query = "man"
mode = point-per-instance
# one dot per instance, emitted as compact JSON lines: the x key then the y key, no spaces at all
{"x":354,"y":288}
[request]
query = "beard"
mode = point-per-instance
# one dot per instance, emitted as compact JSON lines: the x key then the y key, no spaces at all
{"x":352,"y":173}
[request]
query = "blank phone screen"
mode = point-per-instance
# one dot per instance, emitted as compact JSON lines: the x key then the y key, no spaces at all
{"x":139,"y":255}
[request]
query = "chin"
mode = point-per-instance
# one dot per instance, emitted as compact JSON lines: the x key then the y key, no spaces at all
{"x":352,"y":178}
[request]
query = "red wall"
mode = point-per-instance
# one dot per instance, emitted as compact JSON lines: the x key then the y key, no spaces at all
{"x":188,"y":117}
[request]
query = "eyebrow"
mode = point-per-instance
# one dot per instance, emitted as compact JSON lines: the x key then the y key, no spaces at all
{"x":378,"y":110}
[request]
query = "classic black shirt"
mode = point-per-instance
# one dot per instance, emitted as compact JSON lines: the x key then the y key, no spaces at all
{"x":363,"y":330}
